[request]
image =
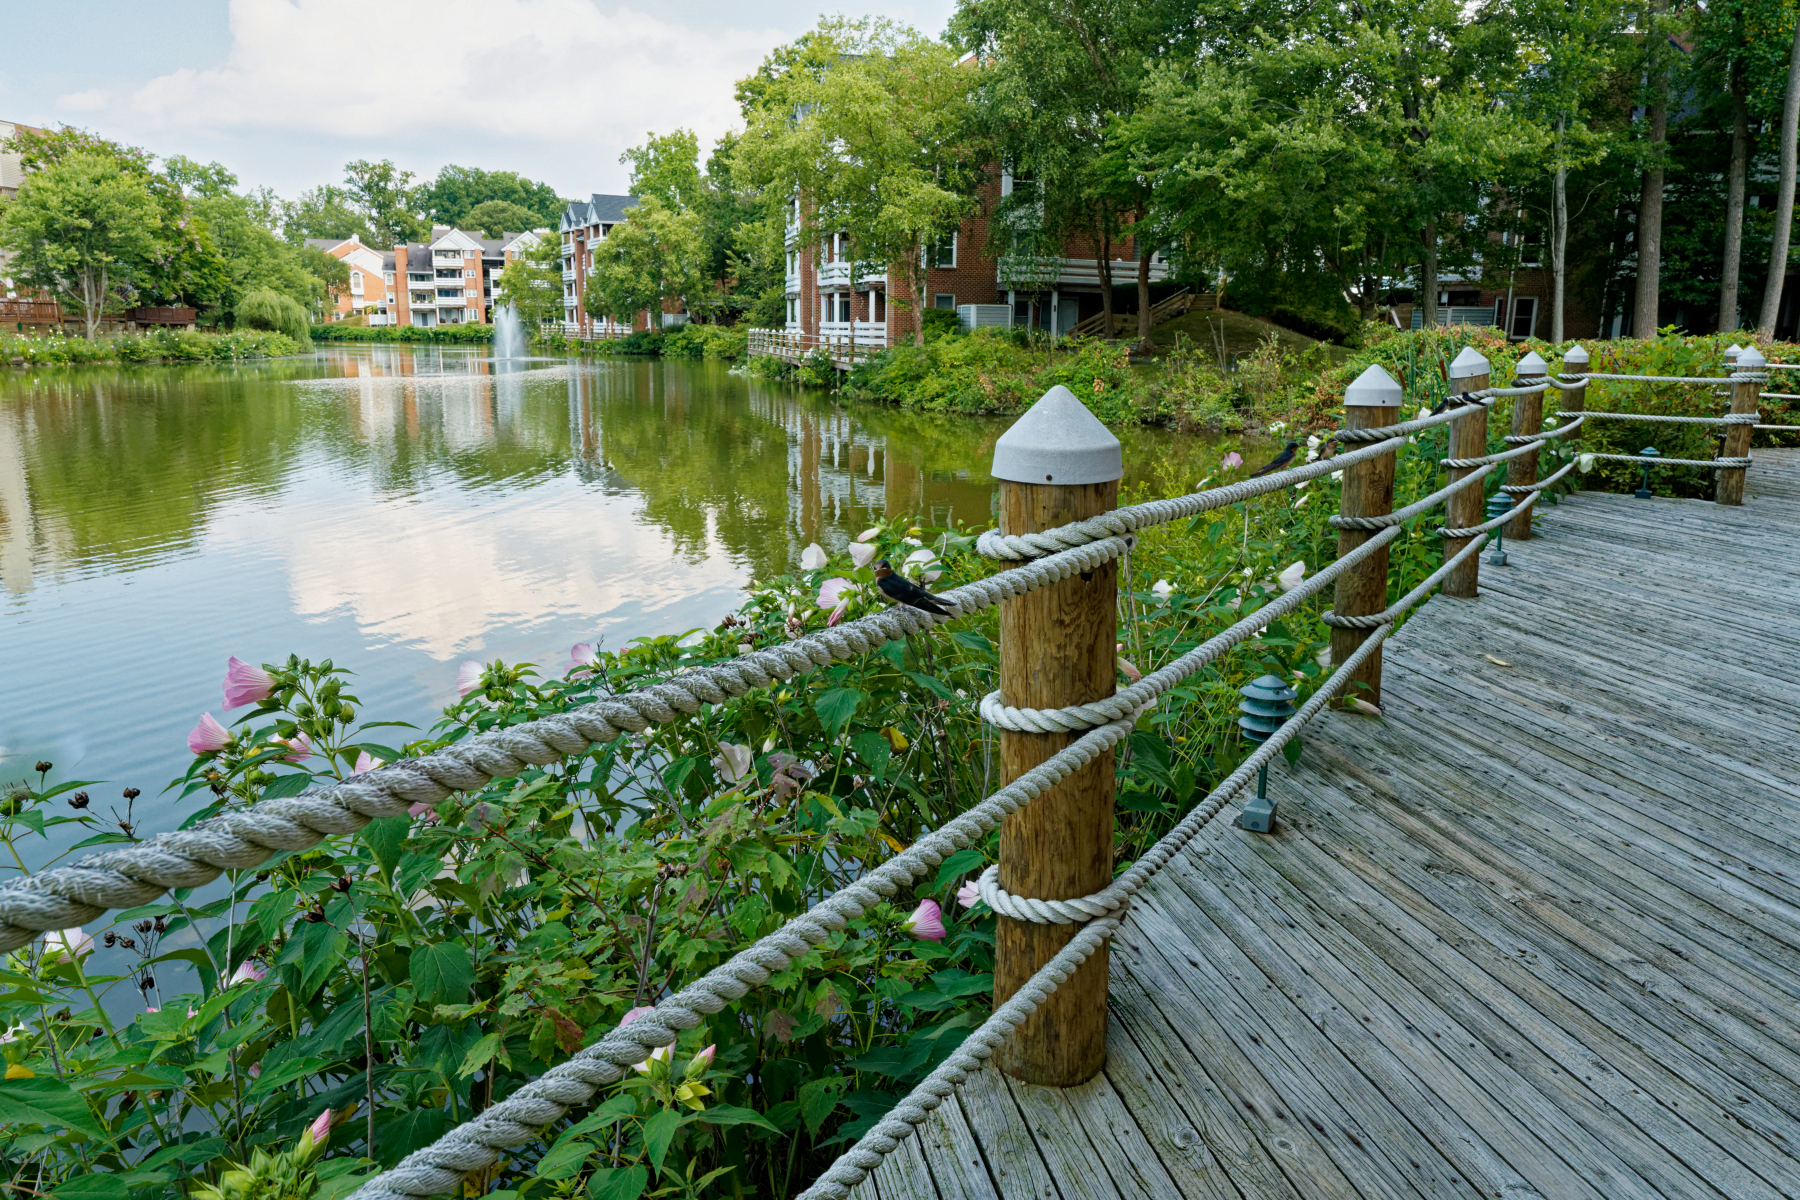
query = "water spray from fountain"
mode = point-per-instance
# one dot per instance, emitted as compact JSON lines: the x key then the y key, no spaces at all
{"x":509,"y":333}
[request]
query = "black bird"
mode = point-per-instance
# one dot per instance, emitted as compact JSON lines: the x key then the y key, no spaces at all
{"x":1279,"y":461}
{"x":1442,"y":405}
{"x":901,"y":590}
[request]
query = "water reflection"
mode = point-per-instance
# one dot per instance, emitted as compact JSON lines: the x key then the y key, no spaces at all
{"x":398,"y":508}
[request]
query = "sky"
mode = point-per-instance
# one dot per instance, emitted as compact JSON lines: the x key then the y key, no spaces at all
{"x":284,"y":92}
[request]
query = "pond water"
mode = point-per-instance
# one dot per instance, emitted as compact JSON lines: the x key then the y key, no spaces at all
{"x":400,"y":510}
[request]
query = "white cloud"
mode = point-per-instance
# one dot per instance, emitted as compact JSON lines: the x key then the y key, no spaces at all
{"x":91,"y":100}
{"x":543,"y":76}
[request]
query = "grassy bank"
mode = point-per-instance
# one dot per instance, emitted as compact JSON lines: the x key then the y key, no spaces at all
{"x":724,"y":343}
{"x":441,"y":335}
{"x":162,"y":345}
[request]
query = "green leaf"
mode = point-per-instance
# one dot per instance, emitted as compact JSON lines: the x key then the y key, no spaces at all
{"x":659,"y":1134}
{"x":927,"y":1001}
{"x":614,"y":1110}
{"x":480,"y":1054}
{"x":287,"y":1072}
{"x":415,"y":870}
{"x":46,"y":1101}
{"x":725,"y":1114}
{"x":94,"y":1187}
{"x":873,"y":749}
{"x":618,"y":1183}
{"x":441,"y":973}
{"x":407,"y":1130}
{"x":288,"y":785}
{"x":819,"y":1099}
{"x":956,"y":866}
{"x":565,"y":1159}
{"x":189,"y":1152}
{"x":386,"y":839}
{"x":1291,"y":750}
{"x":836,"y":707}
{"x":933,"y":685}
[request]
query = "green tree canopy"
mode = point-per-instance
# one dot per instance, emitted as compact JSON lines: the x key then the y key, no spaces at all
{"x":459,"y":191}
{"x":383,"y":194}
{"x":326,"y":212}
{"x":657,"y":253}
{"x":497,"y":217}
{"x":82,"y":228}
{"x":532,"y":283}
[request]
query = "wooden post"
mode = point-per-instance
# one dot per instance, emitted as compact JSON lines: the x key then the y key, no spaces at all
{"x":1057,"y":647}
{"x":1468,"y":439}
{"x":1746,"y":397}
{"x":1576,"y":362}
{"x":1527,"y":420}
{"x":1371,"y":402}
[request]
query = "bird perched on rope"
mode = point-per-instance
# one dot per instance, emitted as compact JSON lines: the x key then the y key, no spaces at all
{"x":901,"y":590}
{"x":1279,"y":461}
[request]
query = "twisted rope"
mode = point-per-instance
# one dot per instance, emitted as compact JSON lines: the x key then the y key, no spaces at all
{"x":903,"y":1119}
{"x":1492,"y":523}
{"x":70,"y":895}
{"x":1072,"y":719}
{"x":519,"y":1118}
{"x":1728,"y":419}
{"x":1564,"y":383}
{"x":1122,"y":521}
{"x":1779,"y":396}
{"x":1393,"y":612}
{"x":1727,"y":463}
{"x":1521,"y":489}
{"x":1412,"y":510}
{"x":1734,"y":377}
{"x":1516,"y":452}
{"x":1460,"y":404}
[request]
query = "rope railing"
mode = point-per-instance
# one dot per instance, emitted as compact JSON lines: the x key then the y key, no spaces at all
{"x":65,"y":896}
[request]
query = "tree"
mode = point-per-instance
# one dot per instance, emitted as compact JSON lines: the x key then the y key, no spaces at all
{"x":871,"y":125}
{"x":332,"y":273}
{"x":1571,"y":48}
{"x":656,"y":254}
{"x":1653,"y":153}
{"x":383,"y":194}
{"x":1784,"y":197}
{"x":326,"y":212}
{"x":532,"y":282}
{"x":81,"y":228}
{"x":265,"y":308}
{"x":667,"y":168}
{"x":457,"y":192}
{"x":496,"y":218}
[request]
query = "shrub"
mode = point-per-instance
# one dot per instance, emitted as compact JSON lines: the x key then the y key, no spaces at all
{"x":454,"y":335}
{"x":161,"y":345}
{"x":266,"y":308}
{"x":939,"y":323}
{"x":723,"y":342}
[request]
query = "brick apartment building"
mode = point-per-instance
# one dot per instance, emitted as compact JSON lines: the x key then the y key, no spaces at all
{"x":449,"y":280}
{"x":963,"y":275}
{"x":585,"y":224}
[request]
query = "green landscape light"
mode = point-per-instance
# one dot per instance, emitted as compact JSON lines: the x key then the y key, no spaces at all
{"x":1644,"y":493}
{"x":1498,"y":505}
{"x":1266,"y":705}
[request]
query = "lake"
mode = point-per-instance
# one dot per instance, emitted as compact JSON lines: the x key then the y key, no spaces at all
{"x":400,"y":510}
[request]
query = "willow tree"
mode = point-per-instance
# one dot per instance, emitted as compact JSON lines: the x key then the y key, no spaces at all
{"x":869,"y":124}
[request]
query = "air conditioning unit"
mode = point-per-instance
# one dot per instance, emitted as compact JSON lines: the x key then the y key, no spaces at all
{"x":977,"y":316}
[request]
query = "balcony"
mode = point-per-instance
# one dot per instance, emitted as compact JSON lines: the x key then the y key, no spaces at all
{"x":837,"y":275}
{"x":422,"y":300}
{"x":568,"y":249}
{"x":568,"y":274}
{"x":1026,"y":273}
{"x":449,"y":296}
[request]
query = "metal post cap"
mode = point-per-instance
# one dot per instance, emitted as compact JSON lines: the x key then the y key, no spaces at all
{"x":1575,"y":358}
{"x":1732,"y":351}
{"x":1374,"y":388}
{"x":1532,"y":365}
{"x":1058,"y":441}
{"x":1751,"y":359}
{"x":1469,"y":363}
{"x":1649,"y":452}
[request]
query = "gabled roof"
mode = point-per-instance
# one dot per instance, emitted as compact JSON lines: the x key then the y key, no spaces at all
{"x":597,"y":209}
{"x":326,"y":244}
{"x":445,"y":238}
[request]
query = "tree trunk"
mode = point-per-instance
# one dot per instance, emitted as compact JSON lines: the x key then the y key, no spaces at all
{"x":1784,"y":199}
{"x":1734,"y":204}
{"x":1559,"y":238}
{"x":1428,"y":276}
{"x":1103,"y":243}
{"x":1650,"y":201}
{"x":1146,"y":342}
{"x":93,"y":301}
{"x":921,"y":280}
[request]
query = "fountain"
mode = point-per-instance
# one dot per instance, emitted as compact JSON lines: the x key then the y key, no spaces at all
{"x":509,"y":334}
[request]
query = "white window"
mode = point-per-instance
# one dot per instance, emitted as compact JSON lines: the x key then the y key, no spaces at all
{"x":944,"y":256}
{"x":1524,"y":317}
{"x":468,"y":254}
{"x":387,"y":277}
{"x":471,"y":313}
{"x":844,"y":307}
{"x":944,"y":300}
{"x":356,"y":282}
{"x":390,"y":297}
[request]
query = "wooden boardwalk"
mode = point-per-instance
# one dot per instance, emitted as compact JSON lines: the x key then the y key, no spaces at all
{"x":1533,"y":934}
